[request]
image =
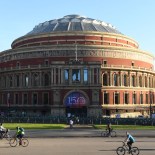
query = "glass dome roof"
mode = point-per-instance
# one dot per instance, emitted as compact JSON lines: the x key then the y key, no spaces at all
{"x":73,"y":23}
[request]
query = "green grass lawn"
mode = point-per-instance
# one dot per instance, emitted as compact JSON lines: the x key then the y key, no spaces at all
{"x":126,"y":127}
{"x":62,"y":126}
{"x":34,"y":126}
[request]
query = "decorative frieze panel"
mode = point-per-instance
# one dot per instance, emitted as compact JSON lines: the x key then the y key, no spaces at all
{"x":81,"y":53}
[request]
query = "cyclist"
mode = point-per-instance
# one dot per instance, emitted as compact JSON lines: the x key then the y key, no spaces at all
{"x":2,"y":130}
{"x":109,"y":128}
{"x":20,"y":134}
{"x":129,"y":139}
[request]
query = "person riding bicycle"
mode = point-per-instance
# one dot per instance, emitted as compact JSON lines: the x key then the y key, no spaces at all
{"x":2,"y":130}
{"x":20,"y":134}
{"x":129,"y":140}
{"x":109,"y":128}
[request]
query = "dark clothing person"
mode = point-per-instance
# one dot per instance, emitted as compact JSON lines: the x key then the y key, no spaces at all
{"x":109,"y":129}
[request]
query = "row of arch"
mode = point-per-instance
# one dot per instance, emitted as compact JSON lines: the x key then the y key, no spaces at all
{"x":25,"y":80}
{"x":132,"y":79}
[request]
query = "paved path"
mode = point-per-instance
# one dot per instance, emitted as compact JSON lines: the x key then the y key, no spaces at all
{"x":76,"y":146}
{"x":83,"y":131}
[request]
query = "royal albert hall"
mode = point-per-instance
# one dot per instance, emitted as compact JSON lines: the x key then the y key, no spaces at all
{"x":76,"y":65}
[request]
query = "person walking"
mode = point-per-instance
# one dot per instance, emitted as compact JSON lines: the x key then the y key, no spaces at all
{"x":71,"y":123}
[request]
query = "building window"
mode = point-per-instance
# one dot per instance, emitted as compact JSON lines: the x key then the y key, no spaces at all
{"x":85,"y":72}
{"x":104,"y":62}
{"x":140,"y":81}
{"x":116,"y":98}
{"x":115,"y":79}
{"x":126,"y":98}
{"x":134,"y":98}
{"x":25,"y":99}
{"x":35,"y":99}
{"x":46,"y":80}
{"x":133,"y":80}
{"x":26,"y":80}
{"x":76,"y":75}
{"x":17,"y":64}
{"x":145,"y":81}
{"x":147,"y":98}
{"x":141,"y":98}
{"x":105,"y":80}
{"x":10,"y":81}
{"x":149,"y":82}
{"x":132,"y":64}
{"x":45,"y":98}
{"x":66,"y":75}
{"x":95,"y":75}
{"x":46,"y":62}
{"x":17,"y":80}
{"x":125,"y":80}
{"x":16,"y":98}
{"x":105,"y":98}
{"x":35,"y":80}
{"x":57,"y":75}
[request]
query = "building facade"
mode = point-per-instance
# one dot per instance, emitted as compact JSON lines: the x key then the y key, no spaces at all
{"x":76,"y":65}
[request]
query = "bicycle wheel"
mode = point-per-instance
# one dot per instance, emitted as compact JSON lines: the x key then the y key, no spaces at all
{"x":103,"y":133}
{"x":7,"y":137}
{"x":113,"y":133}
{"x":13,"y":142}
{"x":120,"y":151}
{"x":25,"y":142}
{"x":1,"y":136}
{"x":134,"y":151}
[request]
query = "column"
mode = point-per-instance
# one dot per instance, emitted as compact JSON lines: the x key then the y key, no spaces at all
{"x":62,"y":75}
{"x":70,"y":76}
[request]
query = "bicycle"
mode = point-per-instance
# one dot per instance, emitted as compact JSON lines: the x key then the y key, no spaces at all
{"x":5,"y":135}
{"x":122,"y":149}
{"x":14,"y":141}
{"x":106,"y":133}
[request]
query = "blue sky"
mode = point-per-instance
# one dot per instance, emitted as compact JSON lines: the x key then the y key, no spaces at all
{"x":134,"y":18}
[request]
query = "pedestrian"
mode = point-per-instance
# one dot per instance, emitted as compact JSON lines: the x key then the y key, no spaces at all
{"x":109,"y":128}
{"x":71,"y":123}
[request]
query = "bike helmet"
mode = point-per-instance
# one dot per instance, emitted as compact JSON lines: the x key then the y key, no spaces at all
{"x":127,"y":133}
{"x":17,"y":127}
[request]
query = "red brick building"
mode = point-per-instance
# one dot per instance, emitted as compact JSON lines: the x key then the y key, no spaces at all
{"x":76,"y":65}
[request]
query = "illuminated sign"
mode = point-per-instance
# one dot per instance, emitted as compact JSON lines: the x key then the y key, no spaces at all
{"x":75,"y":99}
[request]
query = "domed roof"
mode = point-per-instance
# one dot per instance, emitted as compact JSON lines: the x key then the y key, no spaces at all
{"x":73,"y":23}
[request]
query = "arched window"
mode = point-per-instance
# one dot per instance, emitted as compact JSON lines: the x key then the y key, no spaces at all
{"x":145,"y":81}
{"x":35,"y":80}
{"x":26,"y":81}
{"x":141,"y":98}
{"x":10,"y":81}
{"x":17,"y":80}
{"x":3,"y":82}
{"x":140,"y":81}
{"x":115,"y":79}
{"x":133,"y":80}
{"x":125,"y":80}
{"x":149,"y":82}
{"x":105,"y":80}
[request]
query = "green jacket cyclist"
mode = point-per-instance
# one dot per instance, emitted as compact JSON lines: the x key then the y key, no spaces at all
{"x":20,"y":134}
